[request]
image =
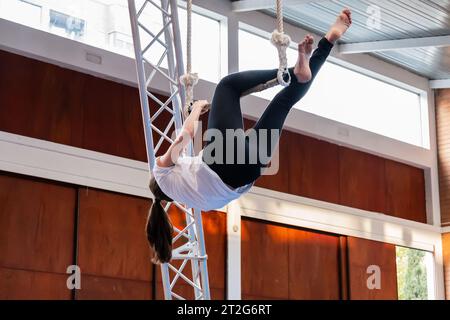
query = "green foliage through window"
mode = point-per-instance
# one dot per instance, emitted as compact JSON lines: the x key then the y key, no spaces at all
{"x":411,"y":274}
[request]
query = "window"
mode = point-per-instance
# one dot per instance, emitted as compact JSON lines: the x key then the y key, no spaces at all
{"x":206,"y":48}
{"x":72,"y":26}
{"x":21,"y":10}
{"x":345,"y":95}
{"x":106,"y":24}
{"x":121,"y":41}
{"x":414,"y":280}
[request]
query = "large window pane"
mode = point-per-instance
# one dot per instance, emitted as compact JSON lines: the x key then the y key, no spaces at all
{"x":22,"y":10}
{"x":106,"y":24}
{"x":413,"y":274}
{"x":344,"y":95}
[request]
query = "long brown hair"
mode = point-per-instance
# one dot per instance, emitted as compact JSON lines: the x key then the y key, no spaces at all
{"x":159,"y":227}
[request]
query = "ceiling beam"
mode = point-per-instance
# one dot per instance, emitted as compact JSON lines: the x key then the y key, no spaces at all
{"x":440,"y":84}
{"x":252,"y":5}
{"x":378,"y":46}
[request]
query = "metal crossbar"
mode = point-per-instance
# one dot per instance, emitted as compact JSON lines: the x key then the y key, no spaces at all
{"x":192,"y":249}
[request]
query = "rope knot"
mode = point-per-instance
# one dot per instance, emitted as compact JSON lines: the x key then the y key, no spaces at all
{"x":189,"y":80}
{"x":280,"y":39}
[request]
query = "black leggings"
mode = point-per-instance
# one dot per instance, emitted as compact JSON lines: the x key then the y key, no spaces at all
{"x":226,"y":114}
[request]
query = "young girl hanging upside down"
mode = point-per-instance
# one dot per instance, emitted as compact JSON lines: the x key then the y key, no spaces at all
{"x":205,"y":183}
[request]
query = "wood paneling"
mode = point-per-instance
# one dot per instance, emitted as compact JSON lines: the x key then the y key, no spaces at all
{"x":343,"y":268}
{"x":446,"y":252}
{"x":362,"y":180}
{"x":364,"y":253}
{"x":47,"y":102}
{"x":280,"y":262}
{"x":215,"y":228}
{"x":133,"y":126}
{"x":313,"y":168}
{"x":443,"y":138}
{"x":251,"y":297}
{"x":40,"y":100}
{"x":112,"y":241}
{"x":51,"y":103}
{"x":32,"y":285}
{"x":313,"y":266}
{"x":405,"y":192}
{"x":265,"y":262}
{"x":98,"y":288}
{"x":112,"y":119}
{"x":104,"y":117}
{"x":37,"y":224}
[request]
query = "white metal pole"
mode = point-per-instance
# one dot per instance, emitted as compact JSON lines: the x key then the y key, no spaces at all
{"x":145,"y":108}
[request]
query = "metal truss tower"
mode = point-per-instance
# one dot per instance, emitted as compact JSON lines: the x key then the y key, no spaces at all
{"x":162,"y":39}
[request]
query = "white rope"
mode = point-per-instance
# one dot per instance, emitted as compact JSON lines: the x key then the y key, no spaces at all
{"x":281,"y":41}
{"x":280,"y":16}
{"x":189,"y":79}
{"x":189,"y":38}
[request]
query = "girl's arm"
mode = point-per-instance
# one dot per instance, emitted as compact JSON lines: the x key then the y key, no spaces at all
{"x":184,"y":137}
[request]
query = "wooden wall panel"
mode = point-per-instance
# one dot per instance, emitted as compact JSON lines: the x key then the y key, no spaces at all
{"x":313,"y":266}
{"x":446,"y":252}
{"x":265,"y":263}
{"x":32,"y":285}
{"x":253,"y":297}
{"x":279,"y":181}
{"x":99,"y":288}
{"x":133,"y":127}
{"x":40,"y":100}
{"x":405,"y":192}
{"x":443,"y":138}
{"x":313,"y":168}
{"x":104,"y":121}
{"x":364,"y":253}
{"x":56,"y":104}
{"x":36,"y":224}
{"x":112,"y":241}
{"x":362,"y":180}
{"x":215,"y":228}
{"x":343,"y":268}
{"x":281,"y":262}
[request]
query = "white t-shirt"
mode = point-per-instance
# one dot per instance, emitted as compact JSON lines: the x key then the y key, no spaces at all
{"x":193,"y":183}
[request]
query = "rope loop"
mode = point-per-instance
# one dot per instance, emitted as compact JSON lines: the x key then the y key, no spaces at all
{"x":189,"y":81}
{"x":282,"y":41}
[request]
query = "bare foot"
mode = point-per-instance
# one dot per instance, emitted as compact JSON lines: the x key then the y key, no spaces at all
{"x":302,"y":70}
{"x":343,"y":22}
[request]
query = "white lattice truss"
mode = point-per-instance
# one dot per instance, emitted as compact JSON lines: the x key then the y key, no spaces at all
{"x":189,"y":242}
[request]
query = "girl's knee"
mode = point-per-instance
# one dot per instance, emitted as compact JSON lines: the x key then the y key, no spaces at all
{"x":226,"y":81}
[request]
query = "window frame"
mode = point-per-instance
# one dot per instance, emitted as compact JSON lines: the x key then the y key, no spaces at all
{"x":422,"y":94}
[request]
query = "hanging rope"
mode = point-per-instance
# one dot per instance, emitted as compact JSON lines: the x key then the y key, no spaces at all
{"x":281,"y":41}
{"x":189,"y":80}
